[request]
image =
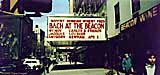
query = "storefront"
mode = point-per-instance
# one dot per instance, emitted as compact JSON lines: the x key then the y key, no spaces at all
{"x":141,"y":36}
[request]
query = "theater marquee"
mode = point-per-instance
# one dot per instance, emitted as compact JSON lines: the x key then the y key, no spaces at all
{"x":70,"y":29}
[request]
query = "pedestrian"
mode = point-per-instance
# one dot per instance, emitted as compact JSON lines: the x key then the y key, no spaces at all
{"x":118,"y":65}
{"x":61,"y":59}
{"x":46,"y":64}
{"x":47,"y":68}
{"x":127,"y":64}
{"x":69,"y":58}
{"x":150,"y":65}
{"x":106,"y":61}
{"x":75,"y":58}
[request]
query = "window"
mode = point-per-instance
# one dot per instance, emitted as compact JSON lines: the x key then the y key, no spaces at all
{"x":135,"y":7}
{"x":34,"y":62}
{"x":28,"y":61}
{"x":117,"y":15}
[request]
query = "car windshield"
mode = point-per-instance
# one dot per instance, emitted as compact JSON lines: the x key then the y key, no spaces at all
{"x":28,"y":62}
{"x":34,"y":62}
{"x":31,"y":61}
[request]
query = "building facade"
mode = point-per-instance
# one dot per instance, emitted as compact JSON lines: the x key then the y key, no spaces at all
{"x":15,"y":38}
{"x":92,"y":50}
{"x":88,"y":7}
{"x":133,"y":28}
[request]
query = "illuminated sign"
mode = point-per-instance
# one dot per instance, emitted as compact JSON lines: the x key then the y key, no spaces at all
{"x":70,"y":29}
{"x":153,"y":12}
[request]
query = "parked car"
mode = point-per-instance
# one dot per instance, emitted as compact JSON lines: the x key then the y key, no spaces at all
{"x":12,"y":69}
{"x":7,"y":68}
{"x":33,"y":63}
{"x":22,"y":68}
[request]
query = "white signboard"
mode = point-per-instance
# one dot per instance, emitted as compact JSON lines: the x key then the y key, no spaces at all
{"x":75,"y":29}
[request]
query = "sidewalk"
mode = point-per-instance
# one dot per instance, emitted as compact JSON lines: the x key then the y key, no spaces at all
{"x":78,"y":63}
{"x":120,"y":73}
{"x":90,"y":71}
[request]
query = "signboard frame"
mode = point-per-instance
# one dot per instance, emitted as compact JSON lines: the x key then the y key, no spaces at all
{"x":94,"y":32}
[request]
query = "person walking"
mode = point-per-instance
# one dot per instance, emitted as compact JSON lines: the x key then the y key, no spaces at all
{"x":75,"y":58}
{"x":46,"y":64}
{"x":127,"y":64}
{"x":150,"y":65}
{"x":69,"y":58}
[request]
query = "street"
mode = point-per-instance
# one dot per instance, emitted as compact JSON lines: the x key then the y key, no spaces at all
{"x":79,"y":37}
{"x":65,"y":68}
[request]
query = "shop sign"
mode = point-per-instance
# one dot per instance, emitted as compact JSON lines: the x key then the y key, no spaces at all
{"x":153,"y":12}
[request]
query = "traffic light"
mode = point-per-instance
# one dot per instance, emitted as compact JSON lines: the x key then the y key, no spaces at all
{"x":44,"y":6}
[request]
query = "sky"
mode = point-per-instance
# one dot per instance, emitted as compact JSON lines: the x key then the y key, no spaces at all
{"x":58,"y":7}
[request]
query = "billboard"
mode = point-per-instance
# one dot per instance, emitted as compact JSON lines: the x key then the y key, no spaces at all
{"x":76,"y":29}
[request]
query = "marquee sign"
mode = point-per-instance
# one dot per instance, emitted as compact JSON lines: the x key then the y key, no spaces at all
{"x":70,"y":29}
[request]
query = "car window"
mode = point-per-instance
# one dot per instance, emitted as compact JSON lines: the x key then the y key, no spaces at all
{"x":28,"y":62}
{"x":34,"y":62}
